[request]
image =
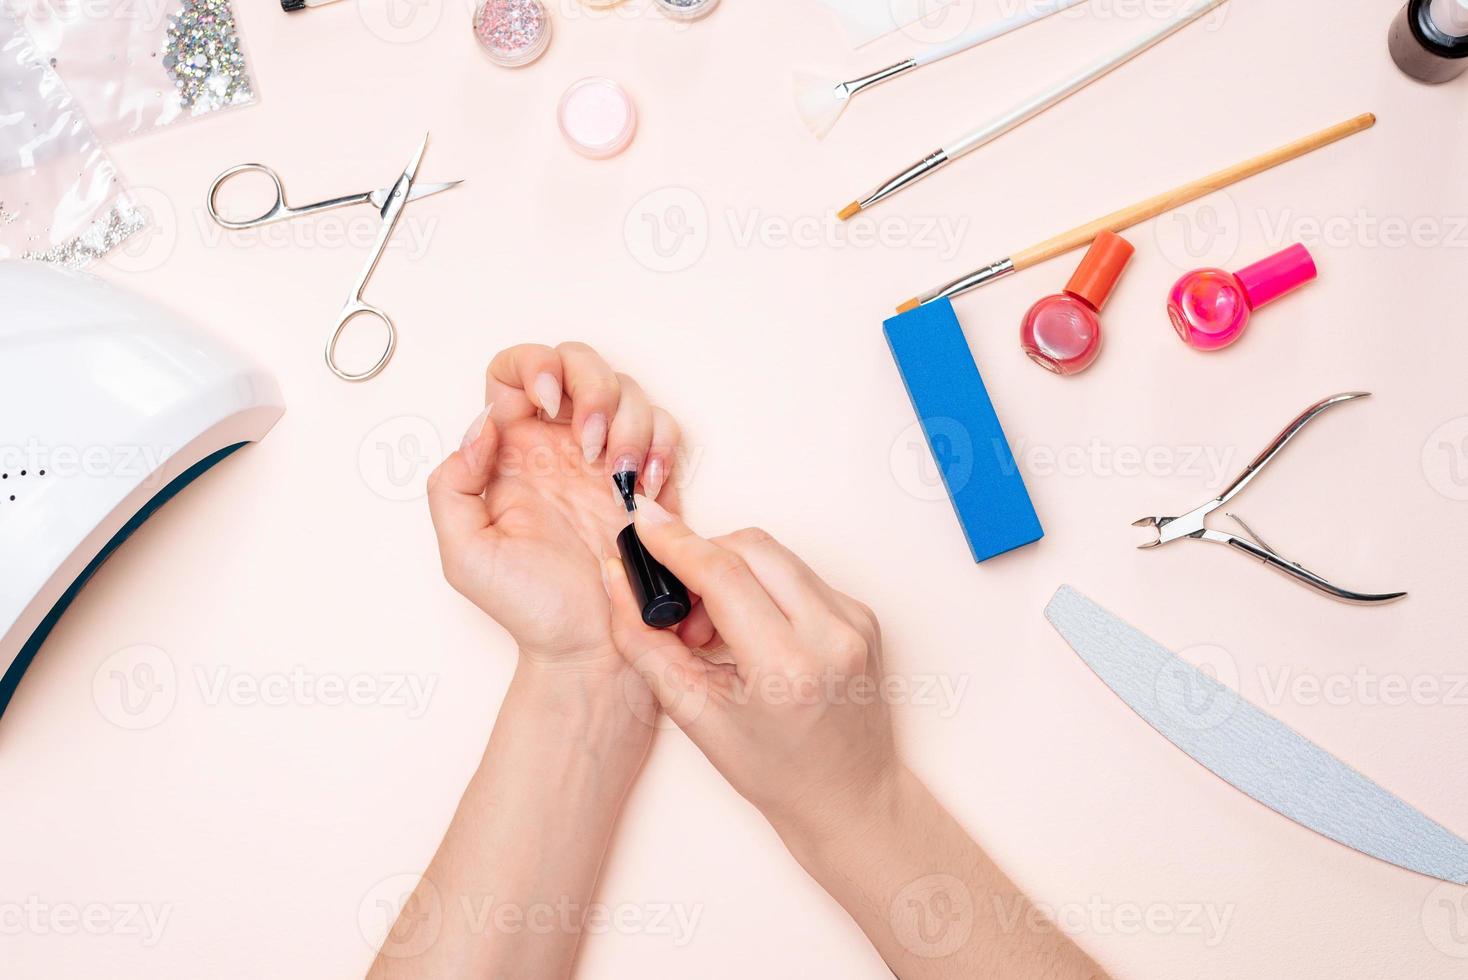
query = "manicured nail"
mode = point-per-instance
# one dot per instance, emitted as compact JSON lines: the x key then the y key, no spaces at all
{"x":654,"y":475}
{"x":652,"y":512}
{"x":593,"y":437}
{"x":548,"y":393}
{"x":474,"y":430}
{"x":626,"y":463}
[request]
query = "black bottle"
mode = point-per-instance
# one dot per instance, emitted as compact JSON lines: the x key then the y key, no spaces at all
{"x":663,"y":598}
{"x":1424,"y":49}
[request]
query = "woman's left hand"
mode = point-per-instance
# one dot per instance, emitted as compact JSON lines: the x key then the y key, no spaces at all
{"x":526,"y":508}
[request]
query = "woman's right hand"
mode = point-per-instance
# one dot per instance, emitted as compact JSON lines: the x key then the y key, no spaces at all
{"x":789,"y":706}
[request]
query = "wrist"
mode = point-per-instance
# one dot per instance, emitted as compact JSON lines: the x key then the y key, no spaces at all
{"x":843,"y":827}
{"x":596,"y":700}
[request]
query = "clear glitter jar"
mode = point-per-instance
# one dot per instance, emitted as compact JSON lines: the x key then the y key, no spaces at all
{"x":512,"y":32}
{"x":687,"y":9}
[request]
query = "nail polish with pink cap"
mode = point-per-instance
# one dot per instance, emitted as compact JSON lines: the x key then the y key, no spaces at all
{"x":1210,"y":308}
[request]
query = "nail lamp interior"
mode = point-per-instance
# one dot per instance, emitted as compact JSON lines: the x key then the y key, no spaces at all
{"x":109,"y":406}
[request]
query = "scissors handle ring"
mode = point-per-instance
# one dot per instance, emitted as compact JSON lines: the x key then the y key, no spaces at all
{"x":277,"y":211}
{"x":350,"y":312}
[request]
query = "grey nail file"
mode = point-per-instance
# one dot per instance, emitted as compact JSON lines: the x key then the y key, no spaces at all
{"x":1253,"y":751}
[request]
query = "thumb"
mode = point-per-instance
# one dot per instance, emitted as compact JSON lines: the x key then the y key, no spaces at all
{"x":456,"y":488}
{"x":678,"y":678}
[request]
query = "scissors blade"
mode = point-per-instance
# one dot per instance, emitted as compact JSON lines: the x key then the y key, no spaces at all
{"x":419,"y":191}
{"x":411,"y":172}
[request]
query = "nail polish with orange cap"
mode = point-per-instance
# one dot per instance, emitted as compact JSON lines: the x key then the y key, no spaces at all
{"x":1062,"y":333}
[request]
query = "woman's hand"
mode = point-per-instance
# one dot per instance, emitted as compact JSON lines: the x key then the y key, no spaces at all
{"x":526,"y":507}
{"x":792,"y":714}
{"x":796,"y":721}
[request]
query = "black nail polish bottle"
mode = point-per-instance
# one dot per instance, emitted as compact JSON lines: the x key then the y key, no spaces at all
{"x":663,"y":598}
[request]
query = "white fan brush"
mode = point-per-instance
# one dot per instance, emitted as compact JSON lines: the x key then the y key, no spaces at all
{"x":821,"y":100}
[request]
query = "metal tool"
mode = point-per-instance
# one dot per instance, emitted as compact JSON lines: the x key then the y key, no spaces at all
{"x":1193,"y":524}
{"x":1252,"y":751}
{"x":389,"y":201}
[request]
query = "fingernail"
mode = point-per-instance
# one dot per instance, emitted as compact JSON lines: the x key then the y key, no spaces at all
{"x":593,"y":437}
{"x":652,"y":512}
{"x":472,"y":434}
{"x":654,"y":475}
{"x":606,"y":580}
{"x":626,"y":463}
{"x":548,"y":393}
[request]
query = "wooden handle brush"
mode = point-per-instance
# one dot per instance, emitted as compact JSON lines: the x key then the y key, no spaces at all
{"x":1144,"y":210}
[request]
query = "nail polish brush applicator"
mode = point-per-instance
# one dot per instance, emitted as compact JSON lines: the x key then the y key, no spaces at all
{"x":663,"y":599}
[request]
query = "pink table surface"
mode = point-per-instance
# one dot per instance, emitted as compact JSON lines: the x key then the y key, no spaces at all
{"x":266,"y":833}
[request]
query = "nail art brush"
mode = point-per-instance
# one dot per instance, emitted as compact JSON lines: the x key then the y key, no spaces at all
{"x":1119,"y":221}
{"x":1024,"y":111}
{"x":821,"y":100}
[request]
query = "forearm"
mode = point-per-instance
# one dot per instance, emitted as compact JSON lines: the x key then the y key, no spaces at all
{"x":509,"y":887}
{"x":927,"y":896}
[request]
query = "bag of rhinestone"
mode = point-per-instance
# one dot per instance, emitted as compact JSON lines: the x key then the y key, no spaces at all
{"x":133,"y":66}
{"x":61,"y":199}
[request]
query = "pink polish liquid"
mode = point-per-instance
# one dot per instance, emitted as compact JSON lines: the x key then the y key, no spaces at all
{"x":1062,"y":333}
{"x":1210,"y":308}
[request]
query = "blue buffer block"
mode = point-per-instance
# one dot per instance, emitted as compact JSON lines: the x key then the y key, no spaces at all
{"x":963,"y":433}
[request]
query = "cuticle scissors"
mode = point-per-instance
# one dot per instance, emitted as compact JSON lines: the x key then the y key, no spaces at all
{"x":1194,"y":523}
{"x":389,"y":201}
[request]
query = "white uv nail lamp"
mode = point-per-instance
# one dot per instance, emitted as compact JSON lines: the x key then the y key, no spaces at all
{"x":108,"y":407}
